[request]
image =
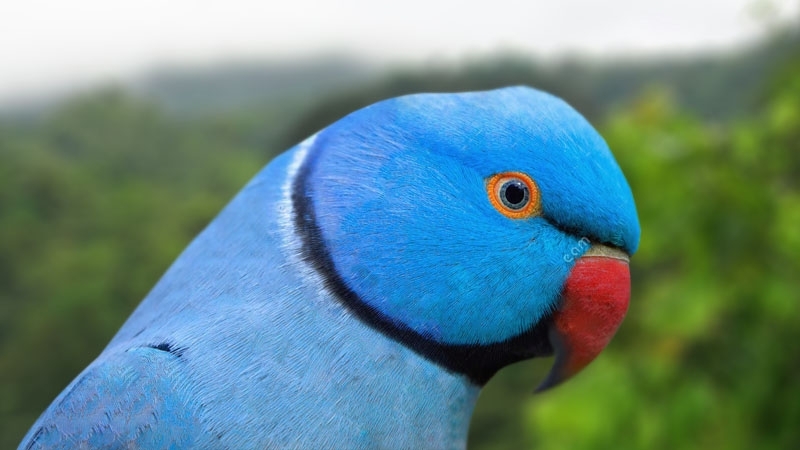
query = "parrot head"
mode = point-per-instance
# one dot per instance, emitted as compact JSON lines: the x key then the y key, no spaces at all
{"x":478,"y":229}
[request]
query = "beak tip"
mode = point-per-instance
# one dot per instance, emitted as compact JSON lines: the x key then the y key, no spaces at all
{"x":556,"y":374}
{"x":547,"y":384}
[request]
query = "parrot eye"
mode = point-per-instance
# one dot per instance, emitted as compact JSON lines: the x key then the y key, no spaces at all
{"x":514,"y":194}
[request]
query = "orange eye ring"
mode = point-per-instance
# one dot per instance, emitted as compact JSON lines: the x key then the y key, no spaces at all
{"x":514,"y":194}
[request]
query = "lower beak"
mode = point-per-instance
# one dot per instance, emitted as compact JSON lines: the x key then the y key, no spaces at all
{"x":594,"y":302}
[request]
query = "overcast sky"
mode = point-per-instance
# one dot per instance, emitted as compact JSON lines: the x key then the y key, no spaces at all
{"x":51,"y":44}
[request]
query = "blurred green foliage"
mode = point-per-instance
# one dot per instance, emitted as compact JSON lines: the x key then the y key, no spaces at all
{"x":100,"y":195}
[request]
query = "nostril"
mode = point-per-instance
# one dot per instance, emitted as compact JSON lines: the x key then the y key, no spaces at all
{"x":600,"y":250}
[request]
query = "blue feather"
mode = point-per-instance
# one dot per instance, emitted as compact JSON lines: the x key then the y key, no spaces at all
{"x":360,"y":289}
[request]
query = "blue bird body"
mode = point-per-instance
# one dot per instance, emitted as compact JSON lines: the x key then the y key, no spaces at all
{"x":359,"y":291}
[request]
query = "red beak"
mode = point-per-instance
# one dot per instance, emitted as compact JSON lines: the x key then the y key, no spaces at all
{"x":594,"y":302}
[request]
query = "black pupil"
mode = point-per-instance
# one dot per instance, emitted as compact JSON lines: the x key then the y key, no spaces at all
{"x":514,"y":193}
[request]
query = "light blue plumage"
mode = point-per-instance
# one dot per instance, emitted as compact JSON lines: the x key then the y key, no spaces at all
{"x":361,"y":288}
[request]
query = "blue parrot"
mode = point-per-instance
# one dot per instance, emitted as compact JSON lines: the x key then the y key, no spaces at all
{"x":365,"y":285}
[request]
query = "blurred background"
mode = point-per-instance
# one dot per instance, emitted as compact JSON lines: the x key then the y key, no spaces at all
{"x":124,"y":128}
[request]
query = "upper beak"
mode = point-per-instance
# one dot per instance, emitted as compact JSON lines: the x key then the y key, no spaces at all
{"x":594,"y":302}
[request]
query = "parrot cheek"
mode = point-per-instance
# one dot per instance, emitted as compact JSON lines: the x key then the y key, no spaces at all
{"x":595,"y":299}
